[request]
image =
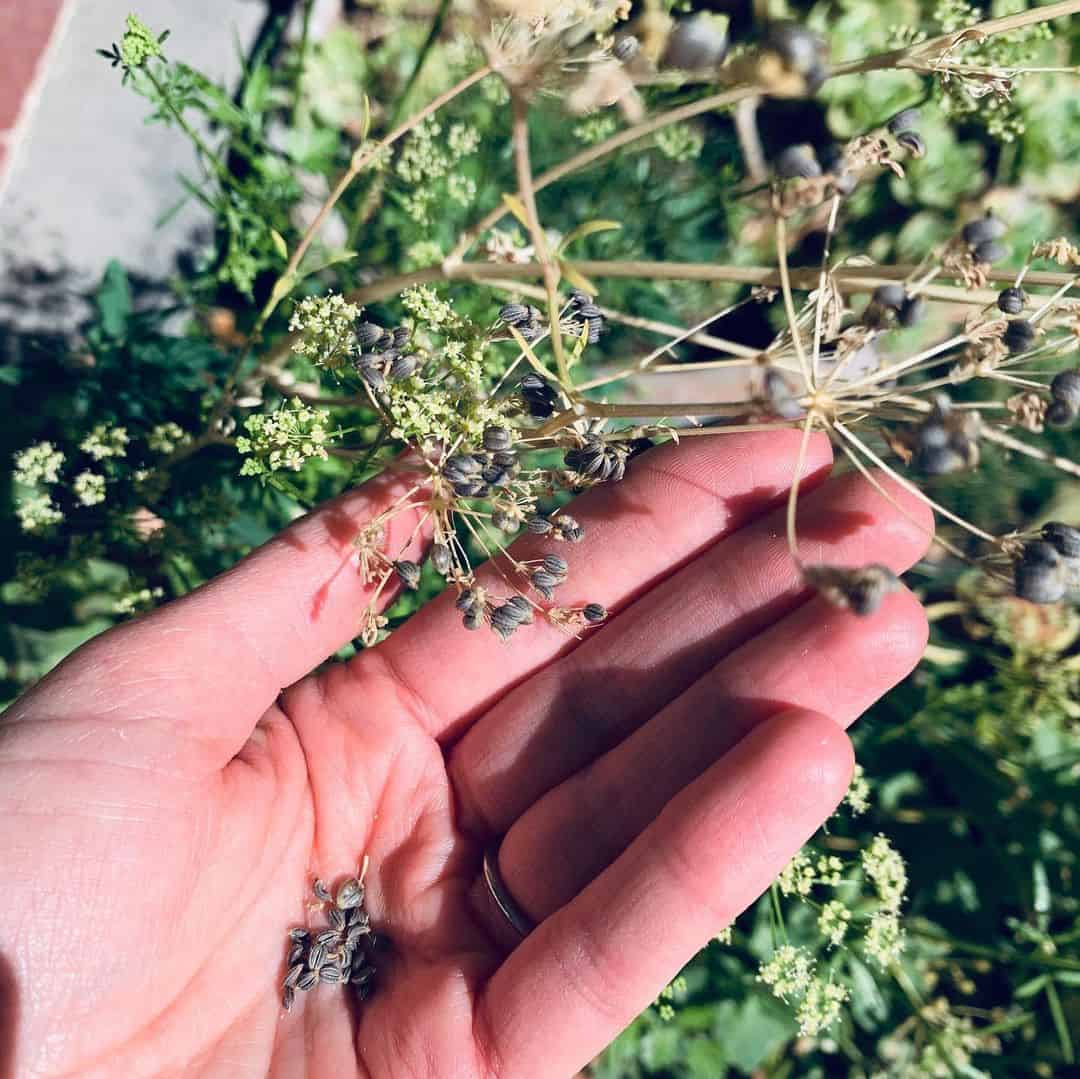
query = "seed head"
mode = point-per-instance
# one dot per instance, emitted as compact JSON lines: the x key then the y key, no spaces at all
{"x":441,"y":558}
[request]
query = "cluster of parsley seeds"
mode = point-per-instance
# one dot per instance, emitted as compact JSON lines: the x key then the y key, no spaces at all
{"x":340,"y":954}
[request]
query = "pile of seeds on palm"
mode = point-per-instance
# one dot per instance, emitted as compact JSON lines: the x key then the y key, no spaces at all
{"x":340,"y":954}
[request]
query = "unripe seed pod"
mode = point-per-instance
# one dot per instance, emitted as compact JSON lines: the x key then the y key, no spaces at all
{"x":368,"y":334}
{"x":504,"y":620}
{"x":1065,"y":386}
{"x":626,"y":48}
{"x":1039,"y":582}
{"x":538,"y":525}
{"x":1011,"y":300}
{"x":904,"y":120}
{"x":987,"y":227}
{"x":990,"y":251}
{"x":1065,"y":538}
{"x":1060,"y":413}
{"x":408,"y":573}
{"x":1019,"y":336}
{"x":594,"y":612}
{"x":797,"y":161}
{"x":497,"y":438}
{"x":441,"y":558}
{"x":696,"y":43}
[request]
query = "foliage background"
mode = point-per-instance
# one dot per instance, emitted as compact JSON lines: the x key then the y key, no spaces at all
{"x":973,"y":763}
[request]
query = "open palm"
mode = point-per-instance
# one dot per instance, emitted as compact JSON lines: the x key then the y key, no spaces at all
{"x":164,"y":806}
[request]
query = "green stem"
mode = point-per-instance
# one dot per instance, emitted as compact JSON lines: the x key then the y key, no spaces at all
{"x":1061,"y":1025}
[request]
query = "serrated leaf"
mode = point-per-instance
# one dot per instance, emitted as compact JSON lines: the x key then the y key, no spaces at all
{"x":587,"y":228}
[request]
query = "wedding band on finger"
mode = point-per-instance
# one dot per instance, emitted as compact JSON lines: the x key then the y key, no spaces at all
{"x":519,"y":921}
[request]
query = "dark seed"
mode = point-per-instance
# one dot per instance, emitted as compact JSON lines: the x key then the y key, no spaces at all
{"x":466,"y":600}
{"x":401,"y":336}
{"x":441,"y":558}
{"x":594,"y":612}
{"x":797,"y":46}
{"x":695,"y":43}
{"x":473,"y":619}
{"x":911,"y":311}
{"x":288,"y":995}
{"x":296,"y":972}
{"x":1012,"y":300}
{"x":1038,"y":582}
{"x":555,"y":565}
{"x":1065,"y":386}
{"x":328,"y":937}
{"x":1060,"y":414}
{"x":990,"y":251}
{"x":904,"y":120}
{"x":1019,"y":336}
{"x":892,"y":296}
{"x":796,"y":161}
{"x":1041,"y":551}
{"x":330,"y":974}
{"x":497,"y":438}
{"x":544,"y":583}
{"x":296,"y":952}
{"x":538,"y":525}
{"x":913,"y":142}
{"x":939,"y":460}
{"x":319,"y":888}
{"x":404,"y":366}
{"x":368,"y":334}
{"x":513,"y":313}
{"x":504,"y":458}
{"x":299,"y":934}
{"x":337,"y":919}
{"x":307,"y":980}
{"x":408,"y":573}
{"x":316,"y":956}
{"x":983,"y":228}
{"x":626,"y":48}
{"x":1065,"y":538}
{"x":521,"y":607}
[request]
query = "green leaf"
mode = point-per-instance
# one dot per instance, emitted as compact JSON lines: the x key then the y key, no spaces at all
{"x":114,"y":301}
{"x":279,"y":244}
{"x":587,"y":228}
{"x":1030,"y":988}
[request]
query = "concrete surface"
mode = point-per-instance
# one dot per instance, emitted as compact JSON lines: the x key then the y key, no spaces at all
{"x":87,"y":177}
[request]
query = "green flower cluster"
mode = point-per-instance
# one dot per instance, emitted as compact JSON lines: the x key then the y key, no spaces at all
{"x":138,"y":43}
{"x":283,"y":440}
{"x":325,"y":326}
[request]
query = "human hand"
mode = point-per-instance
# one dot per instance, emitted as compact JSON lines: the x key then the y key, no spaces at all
{"x":164,"y":806}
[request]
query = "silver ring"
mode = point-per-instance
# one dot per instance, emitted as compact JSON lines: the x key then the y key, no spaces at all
{"x":523,"y":925}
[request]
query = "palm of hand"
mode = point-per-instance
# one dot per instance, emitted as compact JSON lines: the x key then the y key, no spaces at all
{"x":162,"y":820}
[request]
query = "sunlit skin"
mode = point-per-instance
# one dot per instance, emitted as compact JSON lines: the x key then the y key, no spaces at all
{"x":165,"y":804}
